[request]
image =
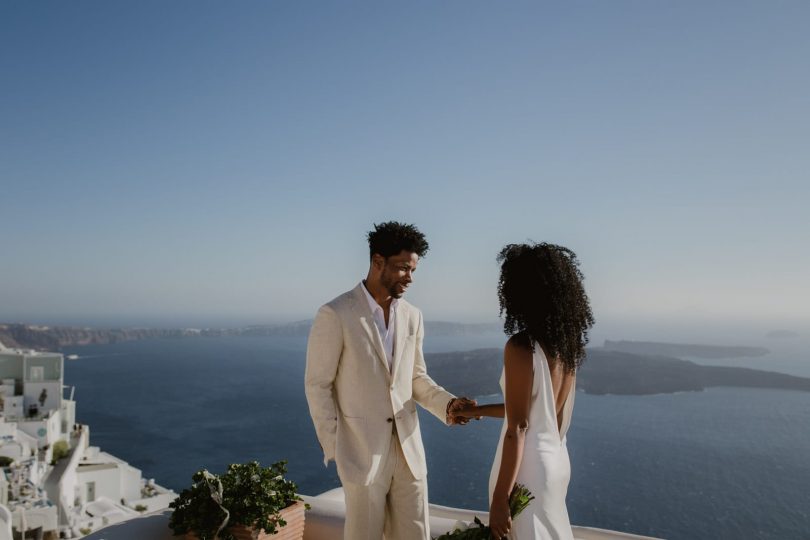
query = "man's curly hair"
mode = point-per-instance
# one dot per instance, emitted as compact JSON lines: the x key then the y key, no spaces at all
{"x":391,"y":237}
{"x":540,"y":291}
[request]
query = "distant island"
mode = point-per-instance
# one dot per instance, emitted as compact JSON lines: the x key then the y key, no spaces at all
{"x":477,"y":373}
{"x":684,"y":349}
{"x":53,"y":338}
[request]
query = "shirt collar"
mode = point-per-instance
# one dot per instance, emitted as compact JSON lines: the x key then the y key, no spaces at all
{"x":373,"y":303}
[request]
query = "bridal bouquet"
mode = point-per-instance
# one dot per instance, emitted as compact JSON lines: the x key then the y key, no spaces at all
{"x":519,"y":499}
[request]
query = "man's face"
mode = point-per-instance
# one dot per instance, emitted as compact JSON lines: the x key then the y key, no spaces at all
{"x":397,"y":272}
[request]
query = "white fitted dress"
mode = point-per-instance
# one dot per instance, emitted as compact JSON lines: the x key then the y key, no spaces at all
{"x":545,"y":468}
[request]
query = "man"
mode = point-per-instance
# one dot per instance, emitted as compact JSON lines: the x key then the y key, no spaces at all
{"x":365,"y":372}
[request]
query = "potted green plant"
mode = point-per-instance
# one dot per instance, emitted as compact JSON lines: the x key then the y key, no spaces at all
{"x":248,"y":502}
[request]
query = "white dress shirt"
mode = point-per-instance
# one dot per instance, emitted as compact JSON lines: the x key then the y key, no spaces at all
{"x":386,"y":333}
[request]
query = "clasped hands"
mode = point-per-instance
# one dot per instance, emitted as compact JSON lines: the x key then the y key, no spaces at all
{"x":461,"y":410}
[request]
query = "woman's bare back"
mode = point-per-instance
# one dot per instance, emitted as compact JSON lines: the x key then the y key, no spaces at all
{"x":561,"y":382}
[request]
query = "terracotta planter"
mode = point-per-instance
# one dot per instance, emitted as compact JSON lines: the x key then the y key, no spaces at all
{"x":294,"y":530}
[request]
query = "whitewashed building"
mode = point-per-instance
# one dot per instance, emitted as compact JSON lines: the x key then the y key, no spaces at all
{"x":52,"y":480}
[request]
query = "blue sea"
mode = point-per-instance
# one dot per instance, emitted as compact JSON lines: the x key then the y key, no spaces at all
{"x":727,"y":463}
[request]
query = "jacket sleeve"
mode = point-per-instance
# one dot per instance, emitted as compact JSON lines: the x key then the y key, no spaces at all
{"x":324,"y":348}
{"x":426,"y":392}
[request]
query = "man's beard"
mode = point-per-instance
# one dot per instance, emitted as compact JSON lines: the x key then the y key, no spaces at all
{"x":391,"y":287}
{"x":392,"y":290}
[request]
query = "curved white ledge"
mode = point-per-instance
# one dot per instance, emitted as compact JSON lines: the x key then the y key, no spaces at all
{"x":325,"y":522}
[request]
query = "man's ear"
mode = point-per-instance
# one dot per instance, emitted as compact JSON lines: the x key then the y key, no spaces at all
{"x":378,"y":261}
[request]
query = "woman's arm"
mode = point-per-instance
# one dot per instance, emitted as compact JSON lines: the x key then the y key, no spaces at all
{"x":519,"y":376}
{"x":494,"y":410}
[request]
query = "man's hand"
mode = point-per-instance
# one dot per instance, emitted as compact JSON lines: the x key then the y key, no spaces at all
{"x":455,"y":409}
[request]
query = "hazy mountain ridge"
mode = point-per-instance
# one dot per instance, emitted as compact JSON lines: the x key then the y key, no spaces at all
{"x":656,"y":348}
{"x":782,"y":334}
{"x":476,"y":373}
{"x":51,"y":338}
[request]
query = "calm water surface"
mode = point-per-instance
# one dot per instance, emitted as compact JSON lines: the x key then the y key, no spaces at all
{"x":727,"y":463}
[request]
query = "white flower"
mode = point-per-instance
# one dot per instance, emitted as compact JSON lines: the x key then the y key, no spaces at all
{"x":461,"y":525}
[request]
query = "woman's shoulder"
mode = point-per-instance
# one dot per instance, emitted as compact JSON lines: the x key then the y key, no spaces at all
{"x":519,"y":342}
{"x":518,"y":349}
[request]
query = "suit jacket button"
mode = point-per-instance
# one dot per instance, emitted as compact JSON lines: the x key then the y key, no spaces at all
{"x":390,"y":420}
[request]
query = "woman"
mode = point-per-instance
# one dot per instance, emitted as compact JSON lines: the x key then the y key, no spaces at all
{"x":548,"y":316}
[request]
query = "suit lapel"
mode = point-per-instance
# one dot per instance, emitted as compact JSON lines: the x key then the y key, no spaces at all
{"x":361,"y":307}
{"x":400,"y":335}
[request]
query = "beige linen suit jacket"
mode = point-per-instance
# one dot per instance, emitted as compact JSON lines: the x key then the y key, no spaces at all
{"x":353,"y":397}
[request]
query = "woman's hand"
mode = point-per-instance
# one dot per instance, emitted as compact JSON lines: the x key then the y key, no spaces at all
{"x":500,"y":520}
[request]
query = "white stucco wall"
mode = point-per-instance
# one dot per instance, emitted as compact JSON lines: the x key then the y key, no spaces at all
{"x":14,"y":450}
{"x":46,"y":431}
{"x":68,"y":415}
{"x":54,"y":427}
{"x":13,"y":406}
{"x":7,"y":388}
{"x":131,"y":486}
{"x":35,"y":517}
{"x":32,"y":391}
{"x":108,"y":482}
{"x":114,"y":480}
{"x":26,"y":439}
{"x":69,"y":482}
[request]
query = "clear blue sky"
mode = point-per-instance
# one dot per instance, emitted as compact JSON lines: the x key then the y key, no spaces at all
{"x":213,"y":162}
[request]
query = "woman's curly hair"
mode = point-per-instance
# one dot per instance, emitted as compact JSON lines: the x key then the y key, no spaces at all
{"x":541,"y":292}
